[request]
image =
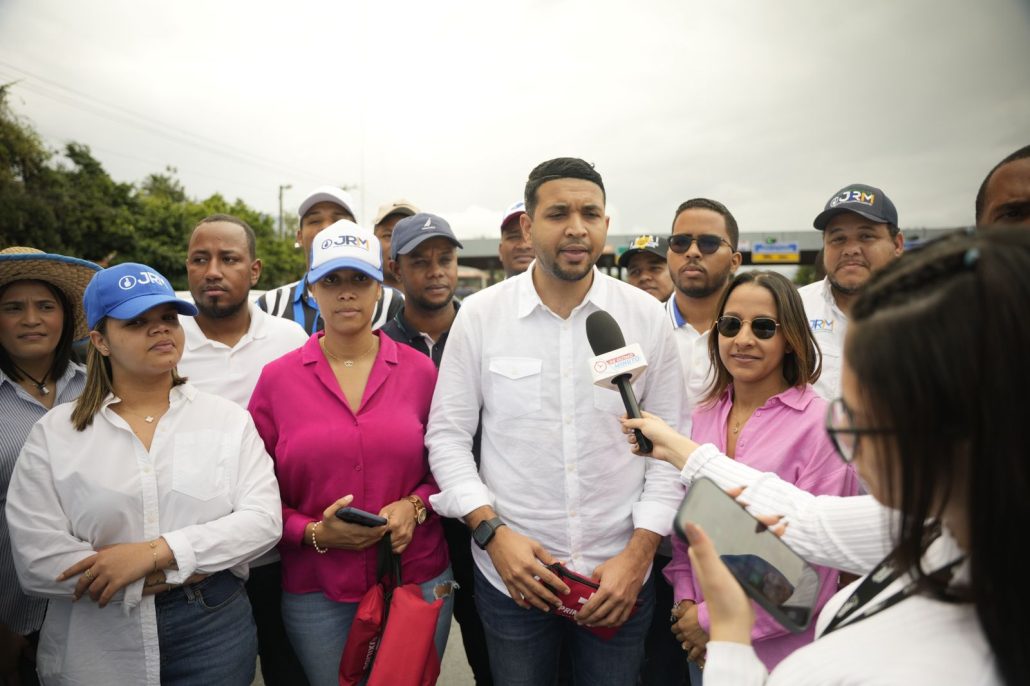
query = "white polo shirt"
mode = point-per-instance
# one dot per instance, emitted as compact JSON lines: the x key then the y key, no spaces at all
{"x":828,"y":324}
{"x":233,"y":372}
{"x":693,"y":350}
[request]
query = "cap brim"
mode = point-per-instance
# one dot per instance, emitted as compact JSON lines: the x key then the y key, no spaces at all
{"x":625,"y":257}
{"x":139,"y":305}
{"x":344,"y":263}
{"x":823,"y":218}
{"x":418,"y":240}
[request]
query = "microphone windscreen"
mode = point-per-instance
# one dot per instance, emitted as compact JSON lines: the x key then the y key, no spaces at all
{"x":604,"y":333}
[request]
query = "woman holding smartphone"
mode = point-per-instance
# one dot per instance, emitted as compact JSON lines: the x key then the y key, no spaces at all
{"x":934,"y":364}
{"x":135,"y":509}
{"x":344,"y":420}
{"x":762,"y":411}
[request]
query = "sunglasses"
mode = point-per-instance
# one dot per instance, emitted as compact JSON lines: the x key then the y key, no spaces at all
{"x":707,"y":243}
{"x":840,"y":425}
{"x":762,"y":327}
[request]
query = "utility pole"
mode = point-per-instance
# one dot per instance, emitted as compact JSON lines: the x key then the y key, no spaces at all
{"x":282,"y":226}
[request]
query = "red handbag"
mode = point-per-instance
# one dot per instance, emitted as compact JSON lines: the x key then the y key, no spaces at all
{"x":580,"y":590}
{"x":391,"y":637}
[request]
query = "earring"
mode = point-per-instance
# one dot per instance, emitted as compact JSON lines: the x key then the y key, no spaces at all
{"x":296,"y":245}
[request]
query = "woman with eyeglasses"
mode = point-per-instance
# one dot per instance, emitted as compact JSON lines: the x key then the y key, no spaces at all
{"x":761,"y":410}
{"x":135,"y":509}
{"x":931,"y":417}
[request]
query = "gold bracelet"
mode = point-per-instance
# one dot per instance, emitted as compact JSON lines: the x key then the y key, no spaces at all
{"x":314,"y":543}
{"x":153,"y":549}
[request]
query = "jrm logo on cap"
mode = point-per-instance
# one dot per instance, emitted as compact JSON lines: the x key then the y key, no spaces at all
{"x":345,"y":239}
{"x":128,"y":282}
{"x":854,"y":196}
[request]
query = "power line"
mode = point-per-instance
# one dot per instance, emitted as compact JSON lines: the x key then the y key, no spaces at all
{"x":125,"y":116}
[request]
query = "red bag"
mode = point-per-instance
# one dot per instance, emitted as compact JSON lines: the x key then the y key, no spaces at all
{"x":397,"y":653}
{"x":580,"y":590}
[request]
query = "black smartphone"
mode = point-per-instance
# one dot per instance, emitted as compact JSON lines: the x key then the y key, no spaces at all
{"x":358,"y":516}
{"x":772,"y":574}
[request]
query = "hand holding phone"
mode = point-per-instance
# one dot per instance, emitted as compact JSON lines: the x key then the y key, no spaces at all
{"x":774,"y":576}
{"x":354,"y":515}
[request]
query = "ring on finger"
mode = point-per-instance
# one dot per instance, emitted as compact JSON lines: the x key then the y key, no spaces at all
{"x":89,"y":574}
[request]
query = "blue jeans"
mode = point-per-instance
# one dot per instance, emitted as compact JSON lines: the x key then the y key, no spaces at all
{"x":318,"y":628}
{"x":206,"y":633}
{"x":524,"y":643}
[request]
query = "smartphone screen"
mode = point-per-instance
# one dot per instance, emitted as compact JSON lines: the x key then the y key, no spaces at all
{"x":772,"y":574}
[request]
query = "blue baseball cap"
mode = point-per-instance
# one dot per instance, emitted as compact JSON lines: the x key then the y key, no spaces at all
{"x":867,"y":201}
{"x":409,"y":233}
{"x":345,"y":245}
{"x":127,"y":290}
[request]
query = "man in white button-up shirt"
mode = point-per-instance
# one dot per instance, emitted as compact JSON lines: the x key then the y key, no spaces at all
{"x":555,"y":483}
{"x":860,"y":235}
{"x":228,"y":343}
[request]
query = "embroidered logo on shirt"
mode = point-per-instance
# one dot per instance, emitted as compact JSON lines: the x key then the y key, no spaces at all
{"x":821,"y":325}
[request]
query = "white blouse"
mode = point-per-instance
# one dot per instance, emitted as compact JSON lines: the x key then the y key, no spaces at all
{"x":206,"y":485}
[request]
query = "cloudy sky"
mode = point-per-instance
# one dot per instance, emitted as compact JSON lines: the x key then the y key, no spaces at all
{"x":769,"y":106}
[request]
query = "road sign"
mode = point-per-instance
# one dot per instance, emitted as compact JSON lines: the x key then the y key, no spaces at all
{"x":775,"y":253}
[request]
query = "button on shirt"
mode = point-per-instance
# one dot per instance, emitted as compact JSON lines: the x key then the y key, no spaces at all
{"x":233,"y":372}
{"x":828,"y":324}
{"x":206,"y":485}
{"x":18,"y":412}
{"x":555,"y":463}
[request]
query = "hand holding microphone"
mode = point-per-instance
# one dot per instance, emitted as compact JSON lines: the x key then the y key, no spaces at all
{"x":615,"y":365}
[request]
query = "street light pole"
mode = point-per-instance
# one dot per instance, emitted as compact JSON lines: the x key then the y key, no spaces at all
{"x":282,"y":226}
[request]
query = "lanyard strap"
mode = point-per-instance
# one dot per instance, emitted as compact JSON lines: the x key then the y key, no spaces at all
{"x":882,"y":576}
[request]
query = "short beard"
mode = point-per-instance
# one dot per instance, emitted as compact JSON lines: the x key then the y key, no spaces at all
{"x":707,"y":289}
{"x":558,"y":272}
{"x":427,"y":306}
{"x":837,"y":287}
{"x":220,"y":311}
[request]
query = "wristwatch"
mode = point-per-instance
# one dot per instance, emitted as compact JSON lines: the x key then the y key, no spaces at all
{"x":420,"y":509}
{"x":485,"y":531}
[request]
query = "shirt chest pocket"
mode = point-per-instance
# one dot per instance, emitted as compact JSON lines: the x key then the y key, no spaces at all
{"x":514,"y":385}
{"x":201,"y":463}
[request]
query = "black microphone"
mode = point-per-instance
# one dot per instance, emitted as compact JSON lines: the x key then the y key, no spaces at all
{"x":605,"y":336}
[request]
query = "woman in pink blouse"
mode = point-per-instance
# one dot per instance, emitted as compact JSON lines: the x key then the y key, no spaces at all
{"x":762,"y":411}
{"x":344,"y":417}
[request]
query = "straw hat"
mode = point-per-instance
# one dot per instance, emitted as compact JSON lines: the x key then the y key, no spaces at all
{"x":69,"y":274}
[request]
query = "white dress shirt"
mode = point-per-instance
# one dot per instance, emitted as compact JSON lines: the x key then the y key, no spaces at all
{"x":918,"y":641}
{"x":555,"y":464}
{"x":206,"y":485}
{"x":233,"y":372}
{"x":828,"y":324}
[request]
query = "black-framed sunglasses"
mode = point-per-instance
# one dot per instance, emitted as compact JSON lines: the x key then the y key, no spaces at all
{"x":762,"y":327}
{"x":707,"y":243}
{"x":840,"y":425}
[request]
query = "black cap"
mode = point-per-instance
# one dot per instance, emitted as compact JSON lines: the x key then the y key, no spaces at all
{"x":867,"y":201}
{"x":646,"y":243}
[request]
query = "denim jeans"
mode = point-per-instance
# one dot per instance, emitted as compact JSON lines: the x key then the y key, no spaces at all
{"x":206,"y":633}
{"x":318,"y":628}
{"x":524,"y":643}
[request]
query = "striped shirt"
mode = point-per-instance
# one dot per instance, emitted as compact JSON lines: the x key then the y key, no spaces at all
{"x":18,"y":412}
{"x":293,"y":301}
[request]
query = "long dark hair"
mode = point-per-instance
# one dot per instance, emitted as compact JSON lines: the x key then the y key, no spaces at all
{"x":939,"y":340}
{"x":63,"y":351}
{"x":801,"y":366}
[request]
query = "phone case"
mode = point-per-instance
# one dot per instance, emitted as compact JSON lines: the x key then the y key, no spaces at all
{"x":354,"y":515}
{"x":580,"y":590}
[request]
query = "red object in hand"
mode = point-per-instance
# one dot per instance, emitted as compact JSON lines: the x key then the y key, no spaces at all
{"x":580,"y":590}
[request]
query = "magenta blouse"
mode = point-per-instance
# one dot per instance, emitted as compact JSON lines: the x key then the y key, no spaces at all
{"x":324,"y":451}
{"x":787,"y":436}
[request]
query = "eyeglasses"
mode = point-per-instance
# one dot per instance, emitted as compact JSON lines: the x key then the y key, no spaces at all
{"x":707,"y":243}
{"x":762,"y":327}
{"x":843,"y":433}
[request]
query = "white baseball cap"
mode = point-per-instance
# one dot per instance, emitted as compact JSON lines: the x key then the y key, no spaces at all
{"x":345,"y":245}
{"x":331,"y":194}
{"x":513,"y":211}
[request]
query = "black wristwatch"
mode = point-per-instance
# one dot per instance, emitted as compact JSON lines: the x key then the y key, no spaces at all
{"x":484,"y":533}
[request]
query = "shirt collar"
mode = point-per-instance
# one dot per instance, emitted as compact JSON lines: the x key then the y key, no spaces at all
{"x":831,"y":303}
{"x":408,"y":330}
{"x":256,"y":330}
{"x":529,"y":299}
{"x":311,"y":352}
{"x":178,"y":395}
{"x":795,"y":398}
{"x":71,"y":370}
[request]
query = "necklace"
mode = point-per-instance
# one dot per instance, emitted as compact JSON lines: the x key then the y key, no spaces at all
{"x":148,"y":418}
{"x":40,"y":384}
{"x":350,"y":362}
